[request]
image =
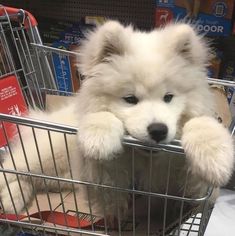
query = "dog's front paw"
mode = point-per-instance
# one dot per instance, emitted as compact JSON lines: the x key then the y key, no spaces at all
{"x":100,"y":135}
{"x":209,"y":150}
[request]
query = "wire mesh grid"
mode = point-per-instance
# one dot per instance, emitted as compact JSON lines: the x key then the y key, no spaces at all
{"x":186,"y":216}
{"x":63,"y":204}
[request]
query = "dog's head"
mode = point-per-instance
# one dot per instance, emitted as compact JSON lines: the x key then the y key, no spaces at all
{"x":152,"y":81}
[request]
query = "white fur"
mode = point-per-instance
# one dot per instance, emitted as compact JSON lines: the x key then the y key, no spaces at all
{"x":118,"y":61}
{"x":209,"y":149}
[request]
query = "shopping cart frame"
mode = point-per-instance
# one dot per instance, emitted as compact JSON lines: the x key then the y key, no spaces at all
{"x":28,"y":25}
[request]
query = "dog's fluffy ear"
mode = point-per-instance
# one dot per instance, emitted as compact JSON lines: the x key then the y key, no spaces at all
{"x":187,"y":43}
{"x":106,"y":41}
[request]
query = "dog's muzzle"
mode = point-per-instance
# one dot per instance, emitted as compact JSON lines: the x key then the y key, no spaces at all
{"x":157,"y":131}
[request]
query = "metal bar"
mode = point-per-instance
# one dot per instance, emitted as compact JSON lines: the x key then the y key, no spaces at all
{"x":56,"y":50}
{"x":133,"y":189}
{"x":38,"y":124}
{"x":144,"y":193}
{"x":174,"y":146}
{"x":55,"y":84}
{"x":17,"y":176}
{"x":3,"y":209}
{"x":5,"y":177}
{"x":57,"y":92}
{"x":6,"y":49}
{"x":11,"y":73}
{"x":232,"y":126}
{"x":3,"y":56}
{"x":127,"y":140}
{"x":90,"y":208}
{"x":105,"y":215}
{"x":221,"y":82}
{"x":58,"y":228}
{"x":8,"y":53}
{"x":203,"y":218}
{"x":41,"y":167}
{"x":8,"y":188}
{"x":33,"y":73}
{"x":38,"y":41}
{"x":149,"y":189}
{"x":19,"y":53}
{"x":35,"y":34}
{"x":166,"y":192}
{"x":117,"y":199}
{"x":27,"y":67}
{"x":182,"y":203}
{"x":56,"y":171}
{"x":28,"y":169}
{"x":71,"y":175}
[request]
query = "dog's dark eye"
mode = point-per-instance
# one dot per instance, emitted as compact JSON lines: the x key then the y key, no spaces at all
{"x":132,"y":99}
{"x":168,"y":97}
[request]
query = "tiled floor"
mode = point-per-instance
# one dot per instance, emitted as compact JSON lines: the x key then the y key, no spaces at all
{"x":222,"y":221}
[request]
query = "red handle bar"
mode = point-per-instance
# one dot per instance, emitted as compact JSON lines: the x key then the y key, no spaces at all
{"x":19,"y":15}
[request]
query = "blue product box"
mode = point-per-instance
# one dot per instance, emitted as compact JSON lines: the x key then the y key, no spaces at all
{"x":62,"y":68}
{"x":211,"y":17}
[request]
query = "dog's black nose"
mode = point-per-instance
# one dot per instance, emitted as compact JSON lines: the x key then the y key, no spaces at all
{"x":157,"y":131}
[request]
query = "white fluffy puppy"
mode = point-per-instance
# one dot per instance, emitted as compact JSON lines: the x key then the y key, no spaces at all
{"x":151,"y":85}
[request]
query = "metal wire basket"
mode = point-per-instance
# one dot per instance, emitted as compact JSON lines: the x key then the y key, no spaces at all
{"x":24,"y":56}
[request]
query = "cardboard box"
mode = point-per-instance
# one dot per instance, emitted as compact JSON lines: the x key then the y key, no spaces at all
{"x":231,"y":100}
{"x":76,"y":77}
{"x":55,"y":102}
{"x":212,"y":17}
{"x":95,"y":20}
{"x":214,"y":67}
{"x":221,"y":105}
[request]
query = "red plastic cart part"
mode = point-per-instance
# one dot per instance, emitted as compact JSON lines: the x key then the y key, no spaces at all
{"x":27,"y":18}
{"x":57,"y":218}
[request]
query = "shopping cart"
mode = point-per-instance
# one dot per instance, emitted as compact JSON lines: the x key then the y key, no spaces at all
{"x":32,"y":64}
